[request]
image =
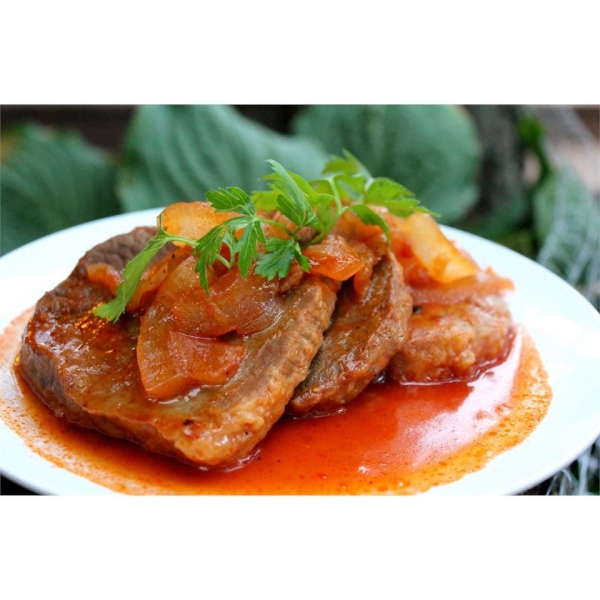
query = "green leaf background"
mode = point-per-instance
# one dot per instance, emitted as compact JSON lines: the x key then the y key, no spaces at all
{"x":433,"y":150}
{"x":50,"y":180}
{"x":566,"y":217}
{"x":175,"y":153}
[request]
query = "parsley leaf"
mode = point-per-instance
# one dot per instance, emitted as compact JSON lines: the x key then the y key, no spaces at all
{"x":277,"y":260}
{"x":247,"y":247}
{"x":232,"y":199}
{"x":346,"y":186}
{"x":292,"y":200}
{"x":347,"y":164}
{"x":370,"y":217}
{"x":350,"y":178}
{"x":131,"y":278}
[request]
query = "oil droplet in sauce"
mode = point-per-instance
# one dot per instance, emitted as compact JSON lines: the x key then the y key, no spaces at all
{"x":391,"y":440}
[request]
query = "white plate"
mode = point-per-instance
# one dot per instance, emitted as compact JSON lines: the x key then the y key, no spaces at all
{"x":564,"y":326}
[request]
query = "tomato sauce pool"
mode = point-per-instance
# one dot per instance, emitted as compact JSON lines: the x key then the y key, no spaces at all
{"x":398,"y":439}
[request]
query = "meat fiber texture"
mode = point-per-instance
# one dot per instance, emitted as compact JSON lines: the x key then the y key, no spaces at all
{"x":365,"y":333}
{"x":85,"y":369}
{"x":448,"y":342}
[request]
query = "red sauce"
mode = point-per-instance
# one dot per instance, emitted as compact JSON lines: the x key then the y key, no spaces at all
{"x":392,"y":439}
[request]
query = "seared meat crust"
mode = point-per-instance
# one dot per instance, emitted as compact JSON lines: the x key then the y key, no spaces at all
{"x":85,"y":369}
{"x":364,"y":334}
{"x":452,"y":341}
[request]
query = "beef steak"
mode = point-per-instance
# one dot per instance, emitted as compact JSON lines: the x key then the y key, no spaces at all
{"x":445,"y":342}
{"x":363,"y":336}
{"x":85,"y":369}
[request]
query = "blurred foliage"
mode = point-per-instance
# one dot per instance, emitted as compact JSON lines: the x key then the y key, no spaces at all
{"x":566,"y":219}
{"x":502,"y":209}
{"x":467,"y":164}
{"x":432,"y":150}
{"x":175,"y":153}
{"x":50,"y":180}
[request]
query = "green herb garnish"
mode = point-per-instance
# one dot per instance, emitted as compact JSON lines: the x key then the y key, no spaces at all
{"x":346,"y":185}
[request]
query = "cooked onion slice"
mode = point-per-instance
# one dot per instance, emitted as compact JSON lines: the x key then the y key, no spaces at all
{"x":179,"y":345}
{"x":192,"y":219}
{"x":205,"y":361}
{"x":444,"y":262}
{"x":171,"y":362}
{"x":154,"y":275}
{"x":105,"y":275}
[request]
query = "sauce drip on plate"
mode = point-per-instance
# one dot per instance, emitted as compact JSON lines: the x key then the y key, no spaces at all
{"x":391,"y":439}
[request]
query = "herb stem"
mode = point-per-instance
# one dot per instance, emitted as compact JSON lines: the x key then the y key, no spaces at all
{"x":224,"y":261}
{"x":324,"y":233}
{"x":178,"y":238}
{"x":336,"y":194}
{"x":278,"y":224}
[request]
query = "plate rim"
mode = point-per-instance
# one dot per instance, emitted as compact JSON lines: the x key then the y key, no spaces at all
{"x":465,"y":239}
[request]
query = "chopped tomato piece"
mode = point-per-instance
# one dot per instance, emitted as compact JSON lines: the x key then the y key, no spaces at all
{"x":352,"y":228}
{"x":337,"y":258}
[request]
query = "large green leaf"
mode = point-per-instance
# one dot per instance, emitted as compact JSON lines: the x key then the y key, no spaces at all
{"x":175,"y":153}
{"x":51,"y":180}
{"x":432,"y":150}
{"x":567,"y":226}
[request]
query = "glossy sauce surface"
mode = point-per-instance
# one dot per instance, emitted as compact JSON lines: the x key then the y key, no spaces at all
{"x":392,"y":439}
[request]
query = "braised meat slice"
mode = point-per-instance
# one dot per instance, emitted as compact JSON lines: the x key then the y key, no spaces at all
{"x":452,"y":341}
{"x":364,"y":334}
{"x":85,"y":369}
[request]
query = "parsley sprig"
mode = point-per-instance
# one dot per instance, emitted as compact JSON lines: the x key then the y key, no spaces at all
{"x":346,"y":185}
